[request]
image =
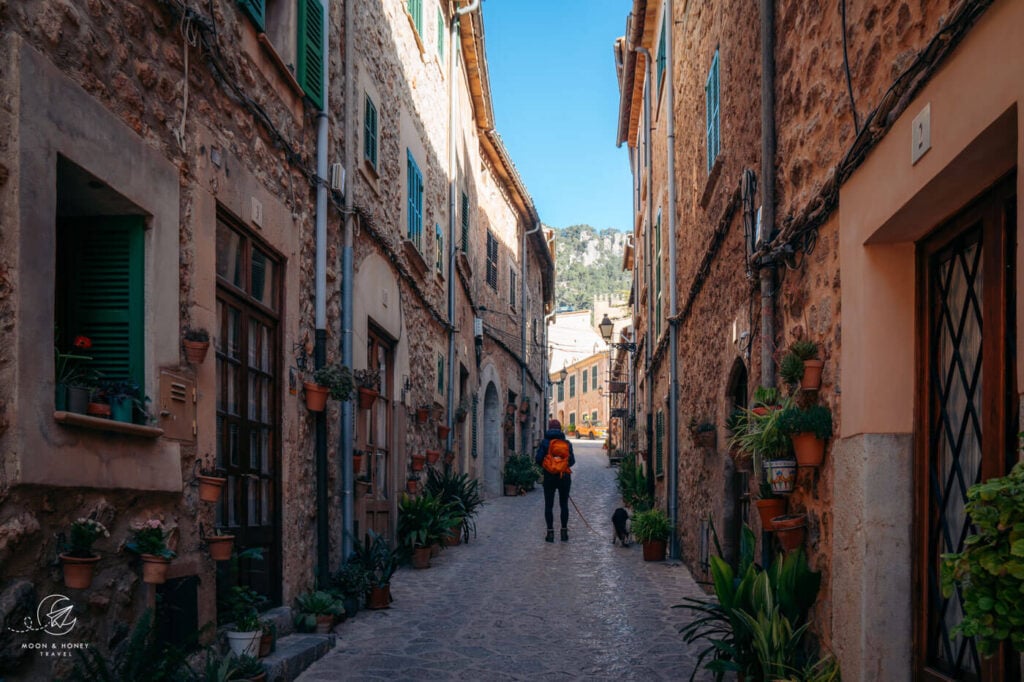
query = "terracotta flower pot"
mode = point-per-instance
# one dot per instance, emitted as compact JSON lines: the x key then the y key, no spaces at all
{"x":367,"y":397}
{"x":811,"y":380}
{"x":210,"y":487}
{"x":379,"y":597}
{"x":454,"y":537}
{"x":154,"y":569}
{"x":78,"y":571}
{"x":316,"y":396}
{"x":357,"y":464}
{"x":810,"y":450}
{"x":195,"y":351}
{"x":411,"y":486}
{"x":220,"y":546}
{"x":417,"y":462}
{"x":654,"y":550}
{"x":511,"y":490}
{"x":704,"y":439}
{"x":433,"y":456}
{"x":421,"y":557}
{"x":324,"y":624}
{"x":101,"y":410}
{"x":790,"y":529}
{"x":266,"y":644}
{"x":443,"y":431}
{"x":768,"y":509}
{"x":422,"y":413}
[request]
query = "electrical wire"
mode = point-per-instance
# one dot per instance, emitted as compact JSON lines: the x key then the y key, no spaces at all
{"x":846,"y":67}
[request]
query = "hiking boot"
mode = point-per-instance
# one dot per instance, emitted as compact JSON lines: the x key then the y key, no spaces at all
{"x":550,"y":537}
{"x":565,"y":535}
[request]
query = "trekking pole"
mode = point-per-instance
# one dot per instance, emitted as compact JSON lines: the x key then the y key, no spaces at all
{"x":583,"y":518}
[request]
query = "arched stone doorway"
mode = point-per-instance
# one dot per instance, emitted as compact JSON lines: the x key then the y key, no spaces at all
{"x":492,"y":442}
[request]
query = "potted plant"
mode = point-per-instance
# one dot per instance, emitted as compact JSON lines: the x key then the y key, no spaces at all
{"x":702,"y":433}
{"x":247,"y":667}
{"x":78,"y":558}
{"x":242,"y":606}
{"x":808,"y":429}
{"x":460,"y":495}
{"x":433,"y":456}
{"x":800,"y":365}
{"x":765,"y":399}
{"x":790,"y":530}
{"x":73,"y":379}
{"x":570,"y":431}
{"x":220,"y":544}
{"x":988,"y":572}
{"x":149,"y":541}
{"x":352,"y":582}
{"x":412,"y":482}
{"x":368,"y":381}
{"x":98,"y":406}
{"x":652,"y":528}
{"x":268,"y":635}
{"x":330,"y":381}
{"x":196,"y":342}
{"x":124,"y":398}
{"x":211,"y":480}
{"x":317,"y":611}
{"x":422,"y":522}
{"x":443,"y":430}
{"x":769,"y":505}
{"x":380,"y":563}
{"x":462,"y":410}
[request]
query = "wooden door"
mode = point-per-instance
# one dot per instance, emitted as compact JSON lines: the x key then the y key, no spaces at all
{"x":967,"y":414}
{"x":375,"y":484}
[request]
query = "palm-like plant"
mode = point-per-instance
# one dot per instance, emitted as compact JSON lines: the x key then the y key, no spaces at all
{"x":459,"y":495}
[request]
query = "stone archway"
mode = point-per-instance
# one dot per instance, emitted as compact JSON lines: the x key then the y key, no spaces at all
{"x":492,"y":449}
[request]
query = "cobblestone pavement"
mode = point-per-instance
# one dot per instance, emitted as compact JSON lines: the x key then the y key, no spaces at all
{"x":509,"y":606}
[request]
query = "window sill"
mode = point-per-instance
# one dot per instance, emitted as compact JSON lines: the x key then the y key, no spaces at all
{"x":712,"y":181}
{"x":108,"y":425}
{"x":464,"y":264}
{"x":415,"y":258}
{"x":282,"y":68}
{"x":371,"y":177}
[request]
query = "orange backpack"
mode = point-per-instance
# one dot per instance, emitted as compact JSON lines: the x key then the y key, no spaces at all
{"x":556,"y":461}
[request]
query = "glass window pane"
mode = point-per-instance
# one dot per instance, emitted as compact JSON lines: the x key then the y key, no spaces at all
{"x":229,"y":255}
{"x":263,"y":278}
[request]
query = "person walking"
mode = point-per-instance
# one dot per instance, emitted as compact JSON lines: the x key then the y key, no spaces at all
{"x":555,"y":457}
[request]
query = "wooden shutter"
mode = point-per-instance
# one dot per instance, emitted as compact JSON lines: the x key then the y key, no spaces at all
{"x":492,"y":261}
{"x":370,"y":132}
{"x":415,"y":201}
{"x":659,"y":440}
{"x":711,"y":99}
{"x":257,"y":11}
{"x":309,"y":70}
{"x":474,"y":451}
{"x":465,"y":223}
{"x":104,"y":289}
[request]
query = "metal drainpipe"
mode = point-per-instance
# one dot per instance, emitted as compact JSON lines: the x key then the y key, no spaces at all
{"x":767,"y":273}
{"x":522,"y":326}
{"x":452,"y":189}
{"x":673,"y":332}
{"x":347,"y":284}
{"x":648,"y":346}
{"x":320,"y":348}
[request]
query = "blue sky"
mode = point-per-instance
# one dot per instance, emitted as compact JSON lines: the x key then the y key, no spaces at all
{"x":556,"y":99}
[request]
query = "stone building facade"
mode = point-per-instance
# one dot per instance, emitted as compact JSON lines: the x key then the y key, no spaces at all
{"x":582,"y":397}
{"x":892,"y":182}
{"x":168,"y":153}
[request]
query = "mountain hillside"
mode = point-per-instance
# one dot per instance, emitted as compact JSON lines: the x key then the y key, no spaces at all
{"x":588,"y":263}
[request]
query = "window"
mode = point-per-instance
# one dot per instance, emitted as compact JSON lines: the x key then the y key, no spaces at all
{"x":657,"y":276}
{"x":593,"y":376}
{"x":585,"y":375}
{"x":465,"y":223}
{"x":661,"y":52}
{"x":572,"y":386}
{"x":440,"y":373}
{"x":492,"y":261}
{"x":572,"y":418}
{"x":414,"y":193}
{"x":593,"y":417}
{"x":296,"y":32}
{"x":512,"y":286}
{"x":439,"y":241}
{"x":370,"y":132}
{"x":711,"y":101}
{"x":659,"y":443}
{"x":440,"y":35}
{"x":561,"y":391}
{"x":416,"y":12}
{"x":100,"y":291}
{"x":474,"y":450}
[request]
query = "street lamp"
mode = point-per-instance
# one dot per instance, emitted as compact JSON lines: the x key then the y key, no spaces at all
{"x":607,"y":326}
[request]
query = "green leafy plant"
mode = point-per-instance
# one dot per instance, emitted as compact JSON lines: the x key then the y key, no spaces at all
{"x":422,"y":520}
{"x":138,"y":656}
{"x":150,"y":538}
{"x":337,"y":379}
{"x":377,"y":558}
{"x":804,"y":349}
{"x":633,"y":485}
{"x":351,"y":579}
{"x":247,"y":667}
{"x":760,"y":435}
{"x":197,"y":334}
{"x":652,"y":524}
{"x":816,"y":419}
{"x":70,"y":368}
{"x":313,"y":604}
{"x":82,"y":535}
{"x":521,"y":470}
{"x":241,"y":605}
{"x":989,"y":572}
{"x":766,"y":397}
{"x":458,"y":494}
{"x":791,"y":369}
{"x":367,"y":378}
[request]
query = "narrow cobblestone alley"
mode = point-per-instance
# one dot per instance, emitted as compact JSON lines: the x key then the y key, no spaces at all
{"x":510,"y":606}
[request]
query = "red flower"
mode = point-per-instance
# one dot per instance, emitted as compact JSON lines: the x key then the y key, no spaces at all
{"x":82,"y":342}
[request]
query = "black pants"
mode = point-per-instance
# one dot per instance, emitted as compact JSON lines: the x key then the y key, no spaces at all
{"x":553,"y":482}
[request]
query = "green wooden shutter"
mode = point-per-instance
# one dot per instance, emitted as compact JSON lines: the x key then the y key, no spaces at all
{"x":309,"y":70}
{"x":659,"y":439}
{"x":661,"y":51}
{"x":711,"y":107}
{"x":465,"y":223}
{"x":414,"y":191}
{"x":440,"y":373}
{"x":474,"y":450}
{"x":416,"y":10}
{"x":439,"y":240}
{"x":370,"y":132}
{"x":440,"y":35}
{"x":105,"y":294}
{"x":257,"y":11}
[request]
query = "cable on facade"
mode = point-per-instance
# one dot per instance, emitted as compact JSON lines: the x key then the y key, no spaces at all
{"x":846,"y":68}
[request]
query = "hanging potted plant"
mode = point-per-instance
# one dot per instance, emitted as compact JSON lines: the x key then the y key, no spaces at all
{"x":417,"y":462}
{"x":433,"y":456}
{"x":790,"y":530}
{"x":196,"y":342}
{"x":765,"y":400}
{"x":422,"y":413}
{"x":357,"y":462}
{"x":461,"y":411}
{"x":78,"y":558}
{"x":808,"y":429}
{"x":443,"y":430}
{"x":211,"y":482}
{"x":368,"y":382}
{"x":220,"y":544}
{"x":703,"y":433}
{"x":333,"y":381}
{"x":769,"y":505}
{"x":412,"y":483}
{"x":800,"y":365}
{"x":149,"y":541}
{"x":652,"y":528}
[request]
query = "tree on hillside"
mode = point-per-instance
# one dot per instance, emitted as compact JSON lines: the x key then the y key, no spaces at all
{"x":578,"y":280}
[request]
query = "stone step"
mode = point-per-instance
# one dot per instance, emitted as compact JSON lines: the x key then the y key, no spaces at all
{"x":294,"y":653}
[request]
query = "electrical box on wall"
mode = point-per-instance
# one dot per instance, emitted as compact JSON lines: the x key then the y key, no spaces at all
{"x":478,"y":326}
{"x":176,"y":412}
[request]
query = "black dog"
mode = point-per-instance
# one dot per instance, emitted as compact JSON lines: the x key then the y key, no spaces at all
{"x":620,"y":521}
